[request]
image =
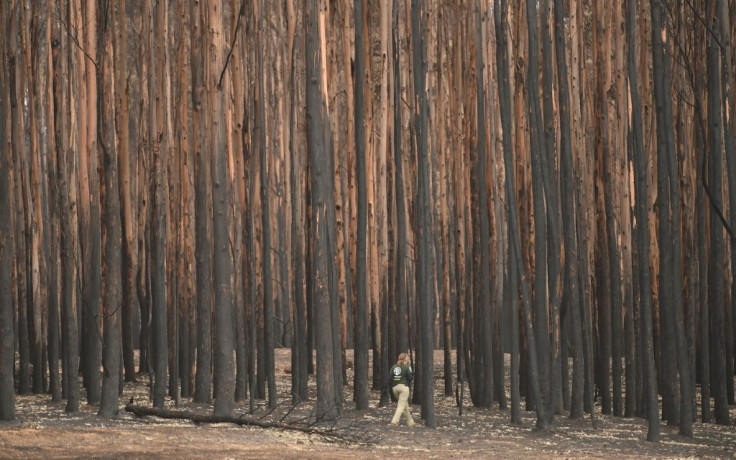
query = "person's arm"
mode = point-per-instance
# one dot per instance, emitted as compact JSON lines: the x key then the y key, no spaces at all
{"x":409,"y":374}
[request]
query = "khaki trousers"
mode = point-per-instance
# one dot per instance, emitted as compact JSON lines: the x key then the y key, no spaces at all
{"x":402,"y":393}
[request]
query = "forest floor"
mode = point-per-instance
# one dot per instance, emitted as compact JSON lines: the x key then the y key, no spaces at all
{"x":44,"y":430}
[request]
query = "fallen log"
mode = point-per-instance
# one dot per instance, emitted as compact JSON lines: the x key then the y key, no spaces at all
{"x":328,"y":434}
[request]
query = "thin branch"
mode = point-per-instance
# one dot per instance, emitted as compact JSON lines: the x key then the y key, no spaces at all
{"x":74,"y":38}
{"x":241,"y":13}
{"x":702,"y":20}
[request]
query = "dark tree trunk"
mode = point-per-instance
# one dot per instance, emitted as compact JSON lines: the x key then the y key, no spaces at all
{"x":112,"y":350}
{"x":504,"y":97}
{"x":57,"y":94}
{"x":268,"y":314}
{"x":92,"y":245}
{"x":683,"y":414}
{"x":402,"y":303}
{"x":630,"y":333}
{"x":361,"y":306}
{"x":159,"y":327}
{"x":130,"y":300}
{"x":551,"y":185}
{"x":603,"y":261}
{"x":541,"y":318}
{"x":203,"y":214}
{"x":568,"y":208}
{"x":642,"y":219}
{"x":614,"y":272}
{"x":481,"y":231}
{"x":222,"y":197}
{"x":667,"y":345}
{"x":728,"y":113}
{"x":299,"y":318}
{"x":424,"y":220}
{"x":327,"y":405}
{"x":7,"y":334}
{"x":716,"y":295}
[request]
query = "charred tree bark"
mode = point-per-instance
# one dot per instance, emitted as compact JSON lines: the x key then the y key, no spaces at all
{"x":541,"y":317}
{"x":222,"y":206}
{"x":361,"y":307}
{"x":716,"y":294}
{"x":424,"y":220}
{"x":500,"y":11}
{"x":203,"y":212}
{"x":328,"y":407}
{"x":130,"y":300}
{"x":7,"y":334}
{"x":112,"y":349}
{"x":568,"y":209}
{"x":642,"y":219}
{"x":268,"y":313}
{"x":159,"y":327}
{"x":481,"y":229}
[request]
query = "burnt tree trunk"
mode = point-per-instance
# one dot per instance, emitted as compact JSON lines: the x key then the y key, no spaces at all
{"x":361,"y":306}
{"x":203,"y":211}
{"x":7,"y":334}
{"x":642,"y":219}
{"x":572,"y":306}
{"x":328,"y":407}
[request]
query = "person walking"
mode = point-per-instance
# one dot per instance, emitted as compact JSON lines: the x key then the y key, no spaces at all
{"x":400,"y":377}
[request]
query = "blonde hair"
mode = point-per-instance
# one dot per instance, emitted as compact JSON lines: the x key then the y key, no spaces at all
{"x":403,"y":358}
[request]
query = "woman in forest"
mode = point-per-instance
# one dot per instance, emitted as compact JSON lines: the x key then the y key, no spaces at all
{"x":400,"y":377}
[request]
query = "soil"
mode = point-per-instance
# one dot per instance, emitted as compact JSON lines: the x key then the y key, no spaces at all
{"x":44,"y":430}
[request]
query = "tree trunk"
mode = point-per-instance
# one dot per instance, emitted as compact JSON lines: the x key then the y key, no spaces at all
{"x":203,"y":210}
{"x":126,"y":193}
{"x":222,"y":205}
{"x":268,"y":313}
{"x":7,"y":334}
{"x":424,"y":224}
{"x":642,"y":218}
{"x":728,"y":113}
{"x":716,"y":295}
{"x":112,"y":350}
{"x":541,"y":329}
{"x":92,"y":244}
{"x":481,"y":231}
{"x":568,"y":209}
{"x":361,"y":305}
{"x":327,"y":405}
{"x":159,"y":187}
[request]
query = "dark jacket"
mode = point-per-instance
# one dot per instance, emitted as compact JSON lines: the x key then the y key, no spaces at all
{"x":400,"y":374}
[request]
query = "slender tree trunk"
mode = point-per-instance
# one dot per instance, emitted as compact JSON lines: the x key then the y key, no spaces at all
{"x":327,"y":405}
{"x":568,"y":208}
{"x":203,"y":211}
{"x":728,"y":115}
{"x":424,"y":224}
{"x":159,"y":186}
{"x":126,"y":192}
{"x":92,"y":245}
{"x":541,"y":328}
{"x":112,"y":350}
{"x":222,"y":206}
{"x":268,"y":308}
{"x":481,"y":230}
{"x":361,"y":312}
{"x":642,"y":218}
{"x":716,"y":295}
{"x":7,"y":334}
{"x":67,"y":158}
{"x":551,"y":186}
{"x":54,"y":90}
